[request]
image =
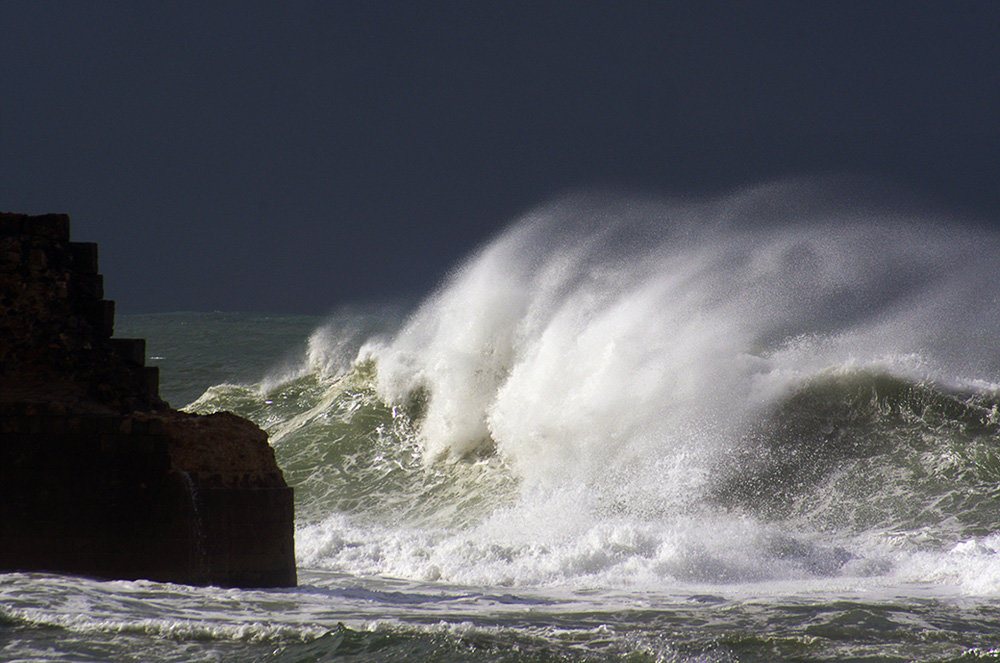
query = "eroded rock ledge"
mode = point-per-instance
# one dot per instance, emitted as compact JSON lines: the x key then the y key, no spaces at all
{"x":99,"y":476}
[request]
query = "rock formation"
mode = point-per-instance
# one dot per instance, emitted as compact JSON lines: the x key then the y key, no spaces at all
{"x":98,"y":476}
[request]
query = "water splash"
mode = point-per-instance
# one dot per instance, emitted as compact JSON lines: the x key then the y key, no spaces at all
{"x":789,"y":382}
{"x":601,"y":333}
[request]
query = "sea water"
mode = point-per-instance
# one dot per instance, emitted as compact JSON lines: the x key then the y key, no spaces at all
{"x":762,"y":426}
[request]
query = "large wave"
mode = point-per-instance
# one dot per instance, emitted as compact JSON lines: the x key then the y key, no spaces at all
{"x":599,"y":330}
{"x":622,"y":388}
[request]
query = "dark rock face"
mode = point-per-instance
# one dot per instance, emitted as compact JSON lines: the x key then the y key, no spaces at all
{"x":98,"y":476}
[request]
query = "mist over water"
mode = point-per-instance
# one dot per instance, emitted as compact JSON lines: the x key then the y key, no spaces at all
{"x":792,"y":381}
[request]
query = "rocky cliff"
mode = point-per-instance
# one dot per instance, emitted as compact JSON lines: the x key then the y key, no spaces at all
{"x":98,"y":476}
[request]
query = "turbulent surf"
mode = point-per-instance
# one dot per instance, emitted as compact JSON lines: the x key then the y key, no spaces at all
{"x":775,"y":384}
{"x":756,"y":426}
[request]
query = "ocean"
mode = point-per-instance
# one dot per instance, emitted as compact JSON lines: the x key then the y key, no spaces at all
{"x":756,"y":427}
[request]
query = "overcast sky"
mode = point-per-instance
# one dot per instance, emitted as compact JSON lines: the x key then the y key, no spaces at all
{"x":297,"y":156}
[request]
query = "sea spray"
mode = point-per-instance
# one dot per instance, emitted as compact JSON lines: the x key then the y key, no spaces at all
{"x":600,"y":331}
{"x":775,"y":384}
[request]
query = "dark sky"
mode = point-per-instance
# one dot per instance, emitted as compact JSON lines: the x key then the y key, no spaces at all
{"x":296,"y":156}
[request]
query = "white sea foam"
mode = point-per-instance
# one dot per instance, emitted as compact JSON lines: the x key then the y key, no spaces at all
{"x":529,"y":548}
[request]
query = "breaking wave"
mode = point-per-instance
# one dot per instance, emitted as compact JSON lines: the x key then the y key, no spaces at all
{"x":791,"y":382}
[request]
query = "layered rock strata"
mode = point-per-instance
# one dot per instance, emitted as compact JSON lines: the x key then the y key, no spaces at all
{"x":99,"y":476}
